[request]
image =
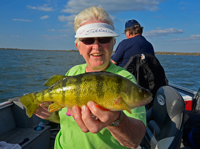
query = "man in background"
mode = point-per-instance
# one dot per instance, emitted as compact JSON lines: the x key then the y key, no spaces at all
{"x":134,"y":44}
{"x":136,"y":55}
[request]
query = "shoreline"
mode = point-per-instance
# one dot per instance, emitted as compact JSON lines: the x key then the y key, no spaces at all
{"x":158,"y":53}
{"x":38,"y":50}
{"x":177,"y":53}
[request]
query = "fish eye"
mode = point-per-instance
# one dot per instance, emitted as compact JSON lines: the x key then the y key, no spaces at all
{"x":141,"y":90}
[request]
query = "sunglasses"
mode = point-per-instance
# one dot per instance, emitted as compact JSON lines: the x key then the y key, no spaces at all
{"x":102,"y":40}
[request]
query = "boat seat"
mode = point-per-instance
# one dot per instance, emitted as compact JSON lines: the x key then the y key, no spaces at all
{"x":165,"y":120}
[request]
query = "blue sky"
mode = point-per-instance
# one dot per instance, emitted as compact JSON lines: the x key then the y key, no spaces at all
{"x":170,"y":25}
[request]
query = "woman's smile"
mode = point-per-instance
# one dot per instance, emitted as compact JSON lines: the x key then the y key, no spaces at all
{"x":97,"y":55}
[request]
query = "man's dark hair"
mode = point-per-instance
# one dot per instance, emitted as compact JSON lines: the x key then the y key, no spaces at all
{"x":136,"y":29}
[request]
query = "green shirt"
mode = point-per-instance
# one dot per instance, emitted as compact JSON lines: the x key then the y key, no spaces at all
{"x":70,"y":135}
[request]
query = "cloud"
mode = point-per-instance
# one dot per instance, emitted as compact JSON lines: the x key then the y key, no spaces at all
{"x":74,"y":7}
{"x":68,"y":19}
{"x":54,"y":37}
{"x":51,"y":30}
{"x":183,"y":3}
{"x":69,"y":24}
{"x":44,"y":17}
{"x":60,"y":31}
{"x":63,"y":18}
{"x":182,"y":8}
{"x":163,"y":32}
{"x":15,"y":36}
{"x":192,"y":37}
{"x":112,"y":6}
{"x":23,"y":20}
{"x":159,"y":16}
{"x":42,"y":8}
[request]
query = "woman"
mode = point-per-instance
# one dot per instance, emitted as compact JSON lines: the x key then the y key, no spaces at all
{"x":107,"y":129}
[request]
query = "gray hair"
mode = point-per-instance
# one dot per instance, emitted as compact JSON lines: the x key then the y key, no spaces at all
{"x":92,"y":13}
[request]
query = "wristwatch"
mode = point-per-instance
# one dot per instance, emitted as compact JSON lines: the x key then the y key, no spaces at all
{"x":118,"y":121}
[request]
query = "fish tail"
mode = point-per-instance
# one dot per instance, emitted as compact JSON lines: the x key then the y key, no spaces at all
{"x":29,"y":104}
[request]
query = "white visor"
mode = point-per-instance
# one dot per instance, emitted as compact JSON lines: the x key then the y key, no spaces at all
{"x":95,"y":30}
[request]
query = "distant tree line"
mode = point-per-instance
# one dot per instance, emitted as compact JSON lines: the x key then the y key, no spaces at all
{"x":160,"y":53}
{"x":177,"y":53}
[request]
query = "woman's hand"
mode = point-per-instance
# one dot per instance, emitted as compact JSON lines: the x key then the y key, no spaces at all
{"x":91,"y":118}
{"x":42,"y":110}
{"x":43,"y":113}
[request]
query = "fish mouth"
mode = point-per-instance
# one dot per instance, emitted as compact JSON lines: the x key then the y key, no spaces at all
{"x":149,"y":100}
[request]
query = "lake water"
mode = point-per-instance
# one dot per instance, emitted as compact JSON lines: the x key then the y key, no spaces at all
{"x":24,"y":71}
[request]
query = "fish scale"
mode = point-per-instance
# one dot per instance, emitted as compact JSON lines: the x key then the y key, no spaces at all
{"x":108,"y":90}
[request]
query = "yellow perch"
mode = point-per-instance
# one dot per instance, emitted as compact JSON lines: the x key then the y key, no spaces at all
{"x":108,"y":90}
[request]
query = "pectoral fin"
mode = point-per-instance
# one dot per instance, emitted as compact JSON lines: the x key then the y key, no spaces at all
{"x":122,"y":103}
{"x":54,"y":107}
{"x":126,"y":107}
{"x":53,"y":80}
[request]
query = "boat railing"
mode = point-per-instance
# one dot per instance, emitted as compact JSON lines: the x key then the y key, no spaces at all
{"x":183,"y":89}
{"x":5,"y":104}
{"x":189,"y":96}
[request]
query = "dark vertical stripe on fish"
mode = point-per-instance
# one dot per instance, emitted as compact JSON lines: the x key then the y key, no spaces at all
{"x":42,"y":96}
{"x":34,"y":96}
{"x":119,"y":84}
{"x":78,"y":83}
{"x":49,"y":92}
{"x":63,"y":84}
{"x":99,"y":86}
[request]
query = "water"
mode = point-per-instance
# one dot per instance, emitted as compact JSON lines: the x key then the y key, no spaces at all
{"x":24,"y":71}
{"x":182,"y":70}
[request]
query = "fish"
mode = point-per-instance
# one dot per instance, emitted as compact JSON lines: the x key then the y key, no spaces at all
{"x":110,"y":91}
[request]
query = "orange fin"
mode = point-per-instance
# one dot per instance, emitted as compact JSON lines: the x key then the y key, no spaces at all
{"x":54,"y":107}
{"x":104,"y":109}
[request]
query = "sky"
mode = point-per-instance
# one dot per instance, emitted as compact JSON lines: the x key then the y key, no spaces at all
{"x":170,"y":25}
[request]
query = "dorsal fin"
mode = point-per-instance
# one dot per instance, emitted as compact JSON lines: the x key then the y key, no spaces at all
{"x":53,"y":80}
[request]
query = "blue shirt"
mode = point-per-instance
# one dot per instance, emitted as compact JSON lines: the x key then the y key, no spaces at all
{"x":130,"y":47}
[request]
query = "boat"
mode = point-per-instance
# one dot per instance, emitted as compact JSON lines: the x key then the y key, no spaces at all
{"x":18,"y":129}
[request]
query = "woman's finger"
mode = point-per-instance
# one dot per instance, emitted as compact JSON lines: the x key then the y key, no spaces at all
{"x":78,"y":118}
{"x":106,"y":117}
{"x":45,"y":104}
{"x":42,"y":112}
{"x":93,"y":124}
